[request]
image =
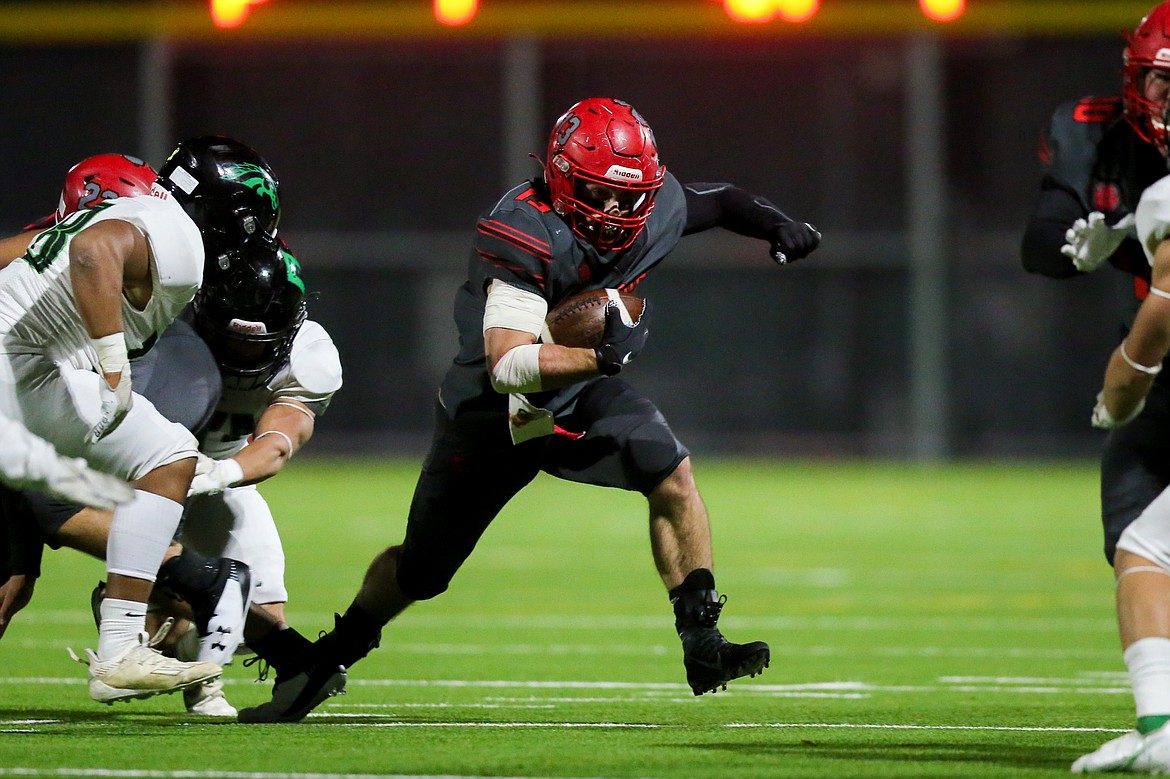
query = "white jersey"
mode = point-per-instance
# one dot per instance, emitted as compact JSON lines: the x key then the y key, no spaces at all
{"x":311,"y":376}
{"x":1153,"y":216}
{"x":38,"y":314}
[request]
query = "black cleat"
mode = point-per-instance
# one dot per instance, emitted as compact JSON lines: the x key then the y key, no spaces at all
{"x":293,"y":698}
{"x":712,"y":661}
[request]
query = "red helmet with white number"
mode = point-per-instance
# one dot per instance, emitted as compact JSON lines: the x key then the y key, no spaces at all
{"x":103,"y":177}
{"x":97,"y":179}
{"x":603,"y":171}
{"x":1148,"y":47}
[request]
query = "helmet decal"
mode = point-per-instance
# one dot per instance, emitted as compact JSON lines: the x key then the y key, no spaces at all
{"x":568,"y":127}
{"x":256,"y":178}
{"x":292,"y":268}
{"x":184,"y":180}
{"x":228,"y":190}
{"x":619,"y":173}
{"x":247,"y":327}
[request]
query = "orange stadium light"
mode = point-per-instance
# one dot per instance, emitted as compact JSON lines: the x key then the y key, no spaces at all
{"x":797,"y":10}
{"x":751,"y":11}
{"x":942,"y":10}
{"x":231,"y":13}
{"x":455,"y":12}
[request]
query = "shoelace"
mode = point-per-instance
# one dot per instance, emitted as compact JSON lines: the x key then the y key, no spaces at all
{"x":145,"y":640}
{"x":262,"y":671}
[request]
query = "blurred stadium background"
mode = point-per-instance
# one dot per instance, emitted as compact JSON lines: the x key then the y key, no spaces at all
{"x":913,"y":332}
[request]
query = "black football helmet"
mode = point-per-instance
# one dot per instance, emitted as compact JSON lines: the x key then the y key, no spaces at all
{"x":227,"y":189}
{"x":249,"y":313}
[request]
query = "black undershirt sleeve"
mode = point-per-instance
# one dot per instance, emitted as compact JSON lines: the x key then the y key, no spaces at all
{"x":728,"y":206}
{"x":1056,"y":210}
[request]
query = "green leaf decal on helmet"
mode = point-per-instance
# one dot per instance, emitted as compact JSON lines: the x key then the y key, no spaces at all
{"x":292,"y":268}
{"x":256,"y":178}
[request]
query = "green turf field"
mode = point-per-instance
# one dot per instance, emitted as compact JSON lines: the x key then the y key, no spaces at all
{"x":924,"y":622}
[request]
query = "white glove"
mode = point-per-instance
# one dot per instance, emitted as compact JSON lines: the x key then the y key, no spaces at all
{"x":116,"y":401}
{"x":29,"y":462}
{"x":1104,"y":420}
{"x":1091,"y":241}
{"x":73,"y":480}
{"x":212,"y":476}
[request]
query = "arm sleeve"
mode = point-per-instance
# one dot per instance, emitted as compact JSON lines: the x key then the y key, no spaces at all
{"x":735,"y":209}
{"x":1056,"y":209}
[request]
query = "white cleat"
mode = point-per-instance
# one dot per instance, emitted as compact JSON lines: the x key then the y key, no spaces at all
{"x":1131,"y":753}
{"x":207,"y":700}
{"x":142,"y":671}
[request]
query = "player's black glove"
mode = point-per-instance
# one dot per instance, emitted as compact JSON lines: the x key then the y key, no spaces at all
{"x":621,"y":342}
{"x":793,"y":240}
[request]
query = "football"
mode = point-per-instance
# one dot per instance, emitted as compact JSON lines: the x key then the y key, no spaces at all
{"x":579,"y":320}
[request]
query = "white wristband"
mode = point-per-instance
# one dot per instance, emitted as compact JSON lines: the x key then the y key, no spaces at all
{"x":111,"y":352}
{"x":1149,"y":370}
{"x":518,"y":370}
{"x":282,"y":435}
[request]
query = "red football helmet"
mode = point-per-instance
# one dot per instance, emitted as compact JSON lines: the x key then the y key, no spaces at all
{"x":1148,"y":47}
{"x":601,"y":152}
{"x":103,"y":177}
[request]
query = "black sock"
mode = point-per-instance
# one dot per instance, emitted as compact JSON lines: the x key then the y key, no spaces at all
{"x":697,"y":580}
{"x":284,"y":649}
{"x":695,"y":601}
{"x":355,"y":634}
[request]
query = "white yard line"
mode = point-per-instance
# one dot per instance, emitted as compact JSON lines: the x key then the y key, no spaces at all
{"x":1090,"y":685}
{"x":662,"y":622}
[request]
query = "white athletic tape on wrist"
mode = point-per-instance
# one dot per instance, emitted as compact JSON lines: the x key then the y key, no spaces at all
{"x":282,"y":435}
{"x":1149,"y":370}
{"x":111,"y":352}
{"x":518,"y":370}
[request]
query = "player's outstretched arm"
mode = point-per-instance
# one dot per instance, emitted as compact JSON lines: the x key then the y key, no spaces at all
{"x":735,"y":209}
{"x":284,"y":428}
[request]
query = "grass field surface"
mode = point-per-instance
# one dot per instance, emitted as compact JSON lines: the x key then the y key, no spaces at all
{"x":924,"y":622}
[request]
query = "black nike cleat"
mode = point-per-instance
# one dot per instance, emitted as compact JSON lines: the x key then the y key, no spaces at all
{"x":293,"y":698}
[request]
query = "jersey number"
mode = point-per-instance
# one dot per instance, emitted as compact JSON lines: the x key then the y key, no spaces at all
{"x":233,"y":426}
{"x":46,"y":246}
{"x":1093,"y":110}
